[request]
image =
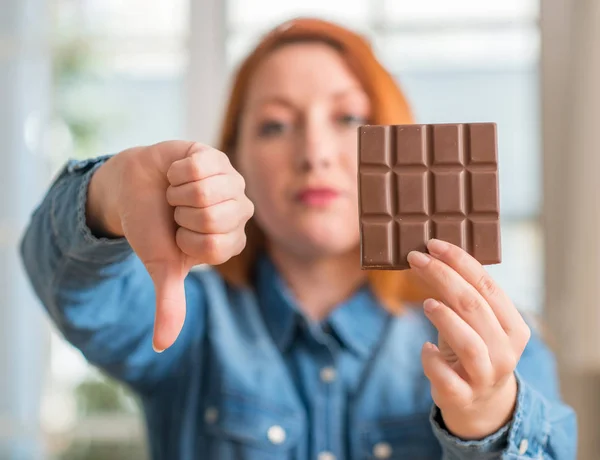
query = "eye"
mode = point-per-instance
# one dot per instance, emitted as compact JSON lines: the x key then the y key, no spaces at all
{"x":271,"y":128}
{"x":352,"y":120}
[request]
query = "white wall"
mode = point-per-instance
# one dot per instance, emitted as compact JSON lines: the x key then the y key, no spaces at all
{"x":24,"y":89}
{"x":571,"y":119}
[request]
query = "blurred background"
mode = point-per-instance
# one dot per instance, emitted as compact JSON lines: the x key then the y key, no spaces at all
{"x":81,"y":78}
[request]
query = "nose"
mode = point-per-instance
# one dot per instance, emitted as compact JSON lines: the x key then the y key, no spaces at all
{"x":317,"y":149}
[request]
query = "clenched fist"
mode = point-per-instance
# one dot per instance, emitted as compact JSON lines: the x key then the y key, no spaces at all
{"x":179,"y":204}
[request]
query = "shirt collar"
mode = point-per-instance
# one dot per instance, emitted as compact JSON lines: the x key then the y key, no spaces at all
{"x":358,"y":322}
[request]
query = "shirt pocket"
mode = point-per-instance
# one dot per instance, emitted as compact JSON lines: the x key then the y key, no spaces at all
{"x":400,"y":438}
{"x":239,"y":427}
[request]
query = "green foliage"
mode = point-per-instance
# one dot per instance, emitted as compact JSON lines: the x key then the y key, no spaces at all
{"x":100,"y":395}
{"x":74,"y":61}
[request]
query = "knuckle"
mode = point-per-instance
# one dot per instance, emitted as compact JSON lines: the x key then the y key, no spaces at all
{"x":506,"y":365}
{"x":457,"y":255}
{"x":438,"y":271}
{"x":486,"y":285}
{"x":201,"y":194}
{"x":240,"y":245}
{"x":210,"y":217}
{"x":524,"y":336}
{"x":450,"y":390}
{"x":219,"y":159}
{"x":249,"y":210}
{"x":472,"y":351}
{"x":213,"y":250}
{"x":242,"y":182}
{"x":526,"y":333}
{"x":196,"y":165}
{"x":196,"y":148}
{"x":223,"y":158}
{"x":470,"y":303}
{"x":236,"y":184}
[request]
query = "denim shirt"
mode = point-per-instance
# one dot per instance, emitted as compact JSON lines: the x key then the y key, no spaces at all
{"x":250,"y":378}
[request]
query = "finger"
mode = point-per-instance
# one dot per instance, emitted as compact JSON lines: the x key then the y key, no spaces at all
{"x":212,"y":249}
{"x":462,"y":297}
{"x":200,"y":164}
{"x":207,"y":192}
{"x":468,"y":346}
{"x":447,"y":387}
{"x":168,"y":281}
{"x":220,"y":218}
{"x":168,"y":152}
{"x":473,"y":272}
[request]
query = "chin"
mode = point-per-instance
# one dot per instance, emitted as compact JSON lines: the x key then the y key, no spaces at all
{"x":326,"y":240}
{"x":314,"y":234}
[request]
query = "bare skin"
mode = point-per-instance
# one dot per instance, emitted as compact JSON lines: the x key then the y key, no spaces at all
{"x":298,"y":133}
{"x":180,"y":204}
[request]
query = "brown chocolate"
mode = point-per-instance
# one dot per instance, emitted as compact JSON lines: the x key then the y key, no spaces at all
{"x":418,"y":182}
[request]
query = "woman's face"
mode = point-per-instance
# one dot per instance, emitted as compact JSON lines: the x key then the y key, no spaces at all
{"x":297,"y":149}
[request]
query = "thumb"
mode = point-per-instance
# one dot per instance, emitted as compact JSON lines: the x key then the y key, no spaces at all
{"x":168,"y":278}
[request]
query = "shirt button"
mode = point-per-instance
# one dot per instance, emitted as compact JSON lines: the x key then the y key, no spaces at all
{"x":276,"y":434}
{"x":326,"y":456}
{"x":523,"y":446}
{"x":382,"y":450}
{"x":210,"y":415}
{"x":328,"y":374}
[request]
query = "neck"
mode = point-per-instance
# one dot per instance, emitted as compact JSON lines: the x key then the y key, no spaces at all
{"x":319,"y":284}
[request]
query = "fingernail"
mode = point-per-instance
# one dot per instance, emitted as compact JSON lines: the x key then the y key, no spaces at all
{"x":418,"y":259}
{"x":156,"y":349}
{"x":429,"y":346}
{"x":430,"y":305}
{"x":437,"y":247}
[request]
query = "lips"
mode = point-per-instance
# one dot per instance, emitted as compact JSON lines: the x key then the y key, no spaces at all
{"x":317,"y":196}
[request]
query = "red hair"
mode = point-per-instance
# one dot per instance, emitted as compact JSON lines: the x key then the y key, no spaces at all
{"x":388,"y":106}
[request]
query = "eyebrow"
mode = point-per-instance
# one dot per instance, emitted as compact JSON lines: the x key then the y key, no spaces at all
{"x":280,"y":100}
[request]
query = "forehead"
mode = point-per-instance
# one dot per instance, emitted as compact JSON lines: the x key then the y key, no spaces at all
{"x":303,"y":71}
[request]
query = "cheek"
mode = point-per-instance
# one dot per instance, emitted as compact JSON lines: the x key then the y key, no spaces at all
{"x":350,"y":168}
{"x":265,"y":180}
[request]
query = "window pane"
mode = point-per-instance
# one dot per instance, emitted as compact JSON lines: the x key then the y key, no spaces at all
{"x":133,"y":17}
{"x":107,"y":110}
{"x":472,"y":49}
{"x":239,"y":44}
{"x":460,"y":10}
{"x":508,"y":97}
{"x":118,"y":85}
{"x":522,"y":277}
{"x":244,"y":13}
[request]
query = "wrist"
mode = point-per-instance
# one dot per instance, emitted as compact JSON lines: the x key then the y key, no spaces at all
{"x":487,"y":418}
{"x":102,"y":217}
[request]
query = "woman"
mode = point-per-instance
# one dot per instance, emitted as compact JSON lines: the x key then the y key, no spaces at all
{"x":289,"y":350}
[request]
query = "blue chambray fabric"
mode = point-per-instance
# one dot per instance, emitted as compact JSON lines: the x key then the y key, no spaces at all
{"x":252,"y":378}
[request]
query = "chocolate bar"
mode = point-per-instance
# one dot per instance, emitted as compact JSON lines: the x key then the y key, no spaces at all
{"x":418,"y":182}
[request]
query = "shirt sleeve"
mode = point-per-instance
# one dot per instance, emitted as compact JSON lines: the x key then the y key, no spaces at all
{"x":542,"y":427}
{"x":97,"y":291}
